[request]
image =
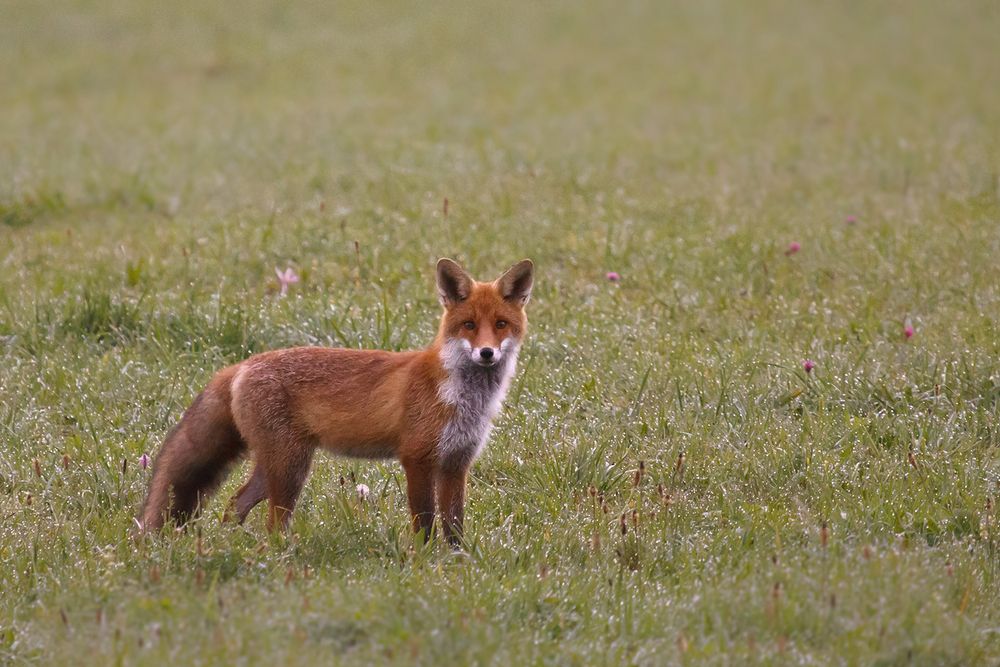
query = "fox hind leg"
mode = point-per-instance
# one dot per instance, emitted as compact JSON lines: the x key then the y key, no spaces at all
{"x":249,"y":495}
{"x":284,"y":474}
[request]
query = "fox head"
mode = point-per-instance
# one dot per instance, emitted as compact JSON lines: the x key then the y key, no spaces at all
{"x":483,"y":323}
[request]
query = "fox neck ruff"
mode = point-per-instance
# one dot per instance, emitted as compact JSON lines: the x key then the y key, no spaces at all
{"x":476,"y":393}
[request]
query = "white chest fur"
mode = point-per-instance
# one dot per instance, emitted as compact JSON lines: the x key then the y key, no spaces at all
{"x":476,"y":393}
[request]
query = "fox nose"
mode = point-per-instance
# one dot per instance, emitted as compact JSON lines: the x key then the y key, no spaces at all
{"x":486,"y":353}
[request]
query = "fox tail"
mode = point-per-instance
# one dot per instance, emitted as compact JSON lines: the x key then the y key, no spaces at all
{"x":195,"y":458}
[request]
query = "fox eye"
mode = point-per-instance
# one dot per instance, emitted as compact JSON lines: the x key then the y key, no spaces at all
{"x":501,"y":324}
{"x":470,"y":325}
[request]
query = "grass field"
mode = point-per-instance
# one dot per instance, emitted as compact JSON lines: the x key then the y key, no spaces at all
{"x":158,"y":163}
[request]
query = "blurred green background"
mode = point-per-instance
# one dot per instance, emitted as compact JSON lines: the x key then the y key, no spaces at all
{"x":159,"y":161}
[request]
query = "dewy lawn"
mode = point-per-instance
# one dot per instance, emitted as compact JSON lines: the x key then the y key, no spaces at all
{"x":770,"y":437}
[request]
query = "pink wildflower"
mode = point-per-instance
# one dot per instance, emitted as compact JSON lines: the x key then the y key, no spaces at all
{"x":808,"y":365}
{"x":908,"y":330}
{"x":851,"y":219}
{"x":793,"y":248}
{"x":362,"y":491}
{"x":613,"y":276}
{"x":286,"y":278}
{"x":144,"y":461}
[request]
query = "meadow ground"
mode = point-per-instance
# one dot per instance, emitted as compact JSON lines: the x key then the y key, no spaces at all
{"x":157,"y":164}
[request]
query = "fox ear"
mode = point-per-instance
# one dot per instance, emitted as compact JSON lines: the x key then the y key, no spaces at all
{"x":515,"y":283}
{"x":453,"y":283}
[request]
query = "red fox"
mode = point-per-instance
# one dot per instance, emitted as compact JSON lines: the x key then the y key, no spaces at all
{"x":432,"y":409}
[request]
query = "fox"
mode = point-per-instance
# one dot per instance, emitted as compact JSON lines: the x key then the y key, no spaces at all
{"x":431,"y":409}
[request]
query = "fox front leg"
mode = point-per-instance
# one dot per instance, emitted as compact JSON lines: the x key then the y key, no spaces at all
{"x":420,"y":494}
{"x":451,"y":502}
